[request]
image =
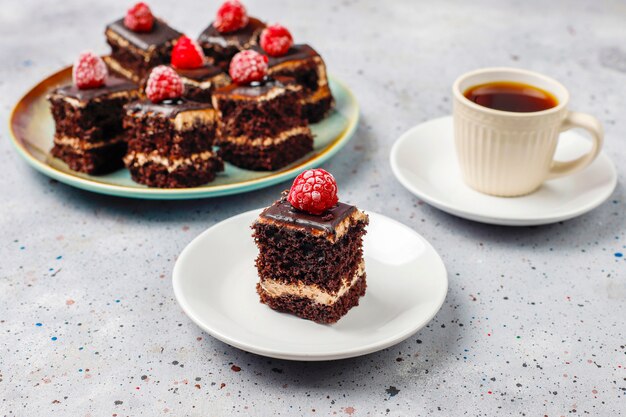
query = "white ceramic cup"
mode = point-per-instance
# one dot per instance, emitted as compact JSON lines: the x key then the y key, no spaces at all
{"x":510,"y":154}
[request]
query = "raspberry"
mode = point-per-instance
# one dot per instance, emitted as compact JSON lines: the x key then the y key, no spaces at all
{"x":231,"y":16}
{"x":276,"y":40}
{"x":313,"y":191}
{"x":89,"y":71}
{"x":187,"y":54}
{"x":139,"y":18}
{"x":248,"y":66}
{"x":163,"y":83}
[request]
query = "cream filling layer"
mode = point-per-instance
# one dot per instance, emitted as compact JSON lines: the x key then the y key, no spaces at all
{"x":189,"y":119}
{"x":142,"y":158}
{"x":343,"y":227}
{"x":318,"y":95}
{"x":270,"y":95}
{"x":117,"y":67}
{"x":340,"y":230}
{"x":218,"y":81}
{"x":322,"y":78}
{"x":268,"y":141}
{"x":314,"y":293}
{"x":78,"y":143}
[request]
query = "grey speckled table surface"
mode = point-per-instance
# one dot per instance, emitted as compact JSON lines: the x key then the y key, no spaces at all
{"x":534,"y":321}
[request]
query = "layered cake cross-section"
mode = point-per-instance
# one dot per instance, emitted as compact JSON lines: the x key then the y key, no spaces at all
{"x":88,"y":117}
{"x":170,"y":139}
{"x":310,"y":263}
{"x":261,"y":126}
{"x":301,"y":62}
{"x":139,"y":42}
{"x":232,"y":31}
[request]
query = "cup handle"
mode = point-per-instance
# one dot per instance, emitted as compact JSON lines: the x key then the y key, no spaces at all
{"x":591,"y":125}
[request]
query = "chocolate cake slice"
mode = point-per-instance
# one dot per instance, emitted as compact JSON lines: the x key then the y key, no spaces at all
{"x":311,"y":265}
{"x":307,"y":67}
{"x":134,"y":54}
{"x":88,"y":132}
{"x":201,"y":82}
{"x":261,"y":126}
{"x":223,"y":46}
{"x":171,"y":143}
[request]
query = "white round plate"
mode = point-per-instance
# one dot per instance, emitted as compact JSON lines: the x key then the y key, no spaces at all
{"x":215,"y":284}
{"x":424,"y":161}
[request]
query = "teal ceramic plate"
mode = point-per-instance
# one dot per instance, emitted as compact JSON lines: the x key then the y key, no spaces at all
{"x":32,"y":129}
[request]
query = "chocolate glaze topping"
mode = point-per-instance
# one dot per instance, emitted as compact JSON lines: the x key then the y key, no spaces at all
{"x":203,"y":73}
{"x":282,"y":212}
{"x":112,"y":85}
{"x":160,"y":34}
{"x":167,"y":108}
{"x":239,"y":37}
{"x":295,"y":53}
{"x":254,"y":89}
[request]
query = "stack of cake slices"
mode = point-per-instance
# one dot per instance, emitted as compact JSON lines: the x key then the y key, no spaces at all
{"x":261,"y":126}
{"x":310,"y":259}
{"x":88,"y":115}
{"x":251,"y":112}
{"x":170,"y":139}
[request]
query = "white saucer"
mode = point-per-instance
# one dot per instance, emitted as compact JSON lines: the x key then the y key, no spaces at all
{"x":214,"y":282}
{"x":424,"y":161}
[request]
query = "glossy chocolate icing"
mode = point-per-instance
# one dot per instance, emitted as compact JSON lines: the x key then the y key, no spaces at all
{"x":167,"y":108}
{"x":295,"y":53}
{"x":254,"y":89}
{"x":203,"y":73}
{"x":239,"y":38}
{"x":282,"y":212}
{"x":112,"y":85}
{"x":160,"y":34}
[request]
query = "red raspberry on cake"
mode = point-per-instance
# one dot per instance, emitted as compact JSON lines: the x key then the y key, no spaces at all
{"x":187,"y":54}
{"x":163,"y":83}
{"x":231,"y":16}
{"x":139,"y":18}
{"x":89,"y":71}
{"x":313,"y":191}
{"x":276,"y":40}
{"x":248,"y":66}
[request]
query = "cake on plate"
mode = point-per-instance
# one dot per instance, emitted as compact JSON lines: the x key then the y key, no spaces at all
{"x":261,"y":126}
{"x":232,"y":31}
{"x":88,"y":116}
{"x":199,"y":76}
{"x":139,"y":42}
{"x":301,"y":62}
{"x":310,"y":260}
{"x":170,"y":139}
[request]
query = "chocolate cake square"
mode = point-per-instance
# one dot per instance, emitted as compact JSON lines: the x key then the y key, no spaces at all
{"x":307,"y":67}
{"x":88,"y":132}
{"x":261,"y":126}
{"x":134,"y":54}
{"x":201,"y":82}
{"x":221,"y":47}
{"x":170,"y":144}
{"x":311,"y":265}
